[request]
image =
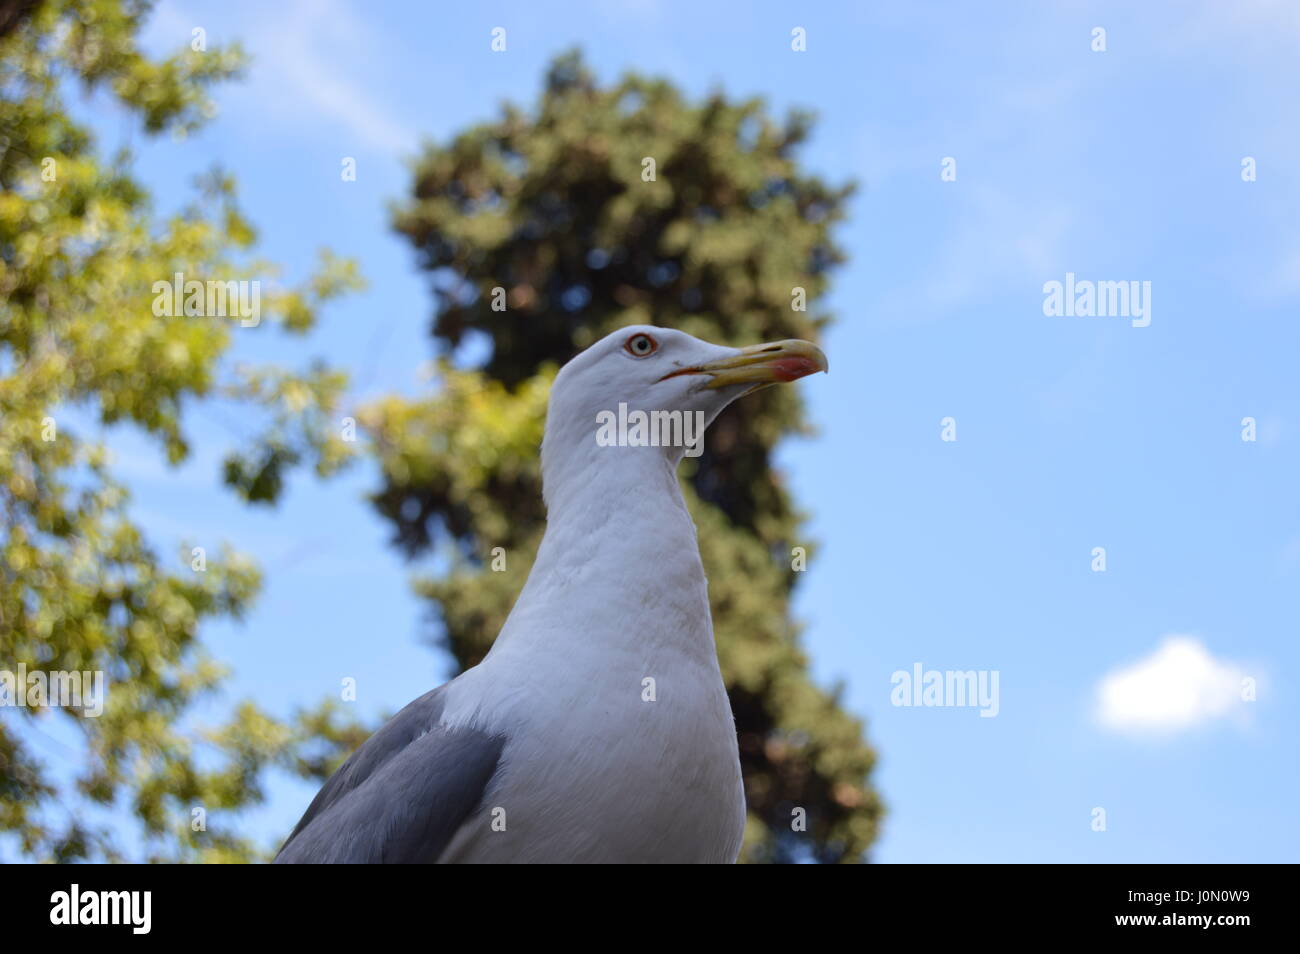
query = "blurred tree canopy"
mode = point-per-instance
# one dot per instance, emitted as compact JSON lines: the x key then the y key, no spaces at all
{"x":80,"y":587}
{"x":598,"y":208}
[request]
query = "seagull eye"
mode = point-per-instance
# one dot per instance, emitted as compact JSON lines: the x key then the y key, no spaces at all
{"x":641,"y":346}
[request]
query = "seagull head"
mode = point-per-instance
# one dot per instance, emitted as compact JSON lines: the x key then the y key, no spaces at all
{"x":659,"y":385}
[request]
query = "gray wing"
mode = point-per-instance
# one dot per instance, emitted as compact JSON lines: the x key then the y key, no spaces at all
{"x":400,"y":797}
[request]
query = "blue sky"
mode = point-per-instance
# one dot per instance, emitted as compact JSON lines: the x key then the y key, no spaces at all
{"x":974,"y":554}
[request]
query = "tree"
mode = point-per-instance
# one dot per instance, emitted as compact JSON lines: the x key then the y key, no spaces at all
{"x":83,"y":345}
{"x":542,"y":231}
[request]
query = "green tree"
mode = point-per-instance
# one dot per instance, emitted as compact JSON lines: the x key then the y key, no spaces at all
{"x":81,"y":589}
{"x":602,"y":207}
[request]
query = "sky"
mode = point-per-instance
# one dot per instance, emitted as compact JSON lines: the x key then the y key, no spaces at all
{"x":1145,"y":711}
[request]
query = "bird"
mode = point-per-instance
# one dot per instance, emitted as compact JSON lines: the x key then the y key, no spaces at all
{"x":597,"y":729}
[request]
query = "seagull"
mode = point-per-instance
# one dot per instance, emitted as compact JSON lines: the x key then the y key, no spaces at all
{"x":597,"y":729}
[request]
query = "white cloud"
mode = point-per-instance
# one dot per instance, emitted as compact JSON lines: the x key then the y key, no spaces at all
{"x":318,"y":66}
{"x":995,"y":241}
{"x":318,"y":53}
{"x":1285,"y":280}
{"x":1178,"y":686}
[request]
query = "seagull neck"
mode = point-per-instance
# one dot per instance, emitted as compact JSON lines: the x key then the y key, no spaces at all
{"x":622,"y":518}
{"x":623,"y":481}
{"x":620,"y":558}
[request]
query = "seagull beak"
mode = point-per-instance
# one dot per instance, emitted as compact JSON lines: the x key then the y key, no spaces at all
{"x":761,"y":365}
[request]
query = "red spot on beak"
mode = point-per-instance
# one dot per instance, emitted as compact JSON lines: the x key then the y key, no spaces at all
{"x":793,"y":368}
